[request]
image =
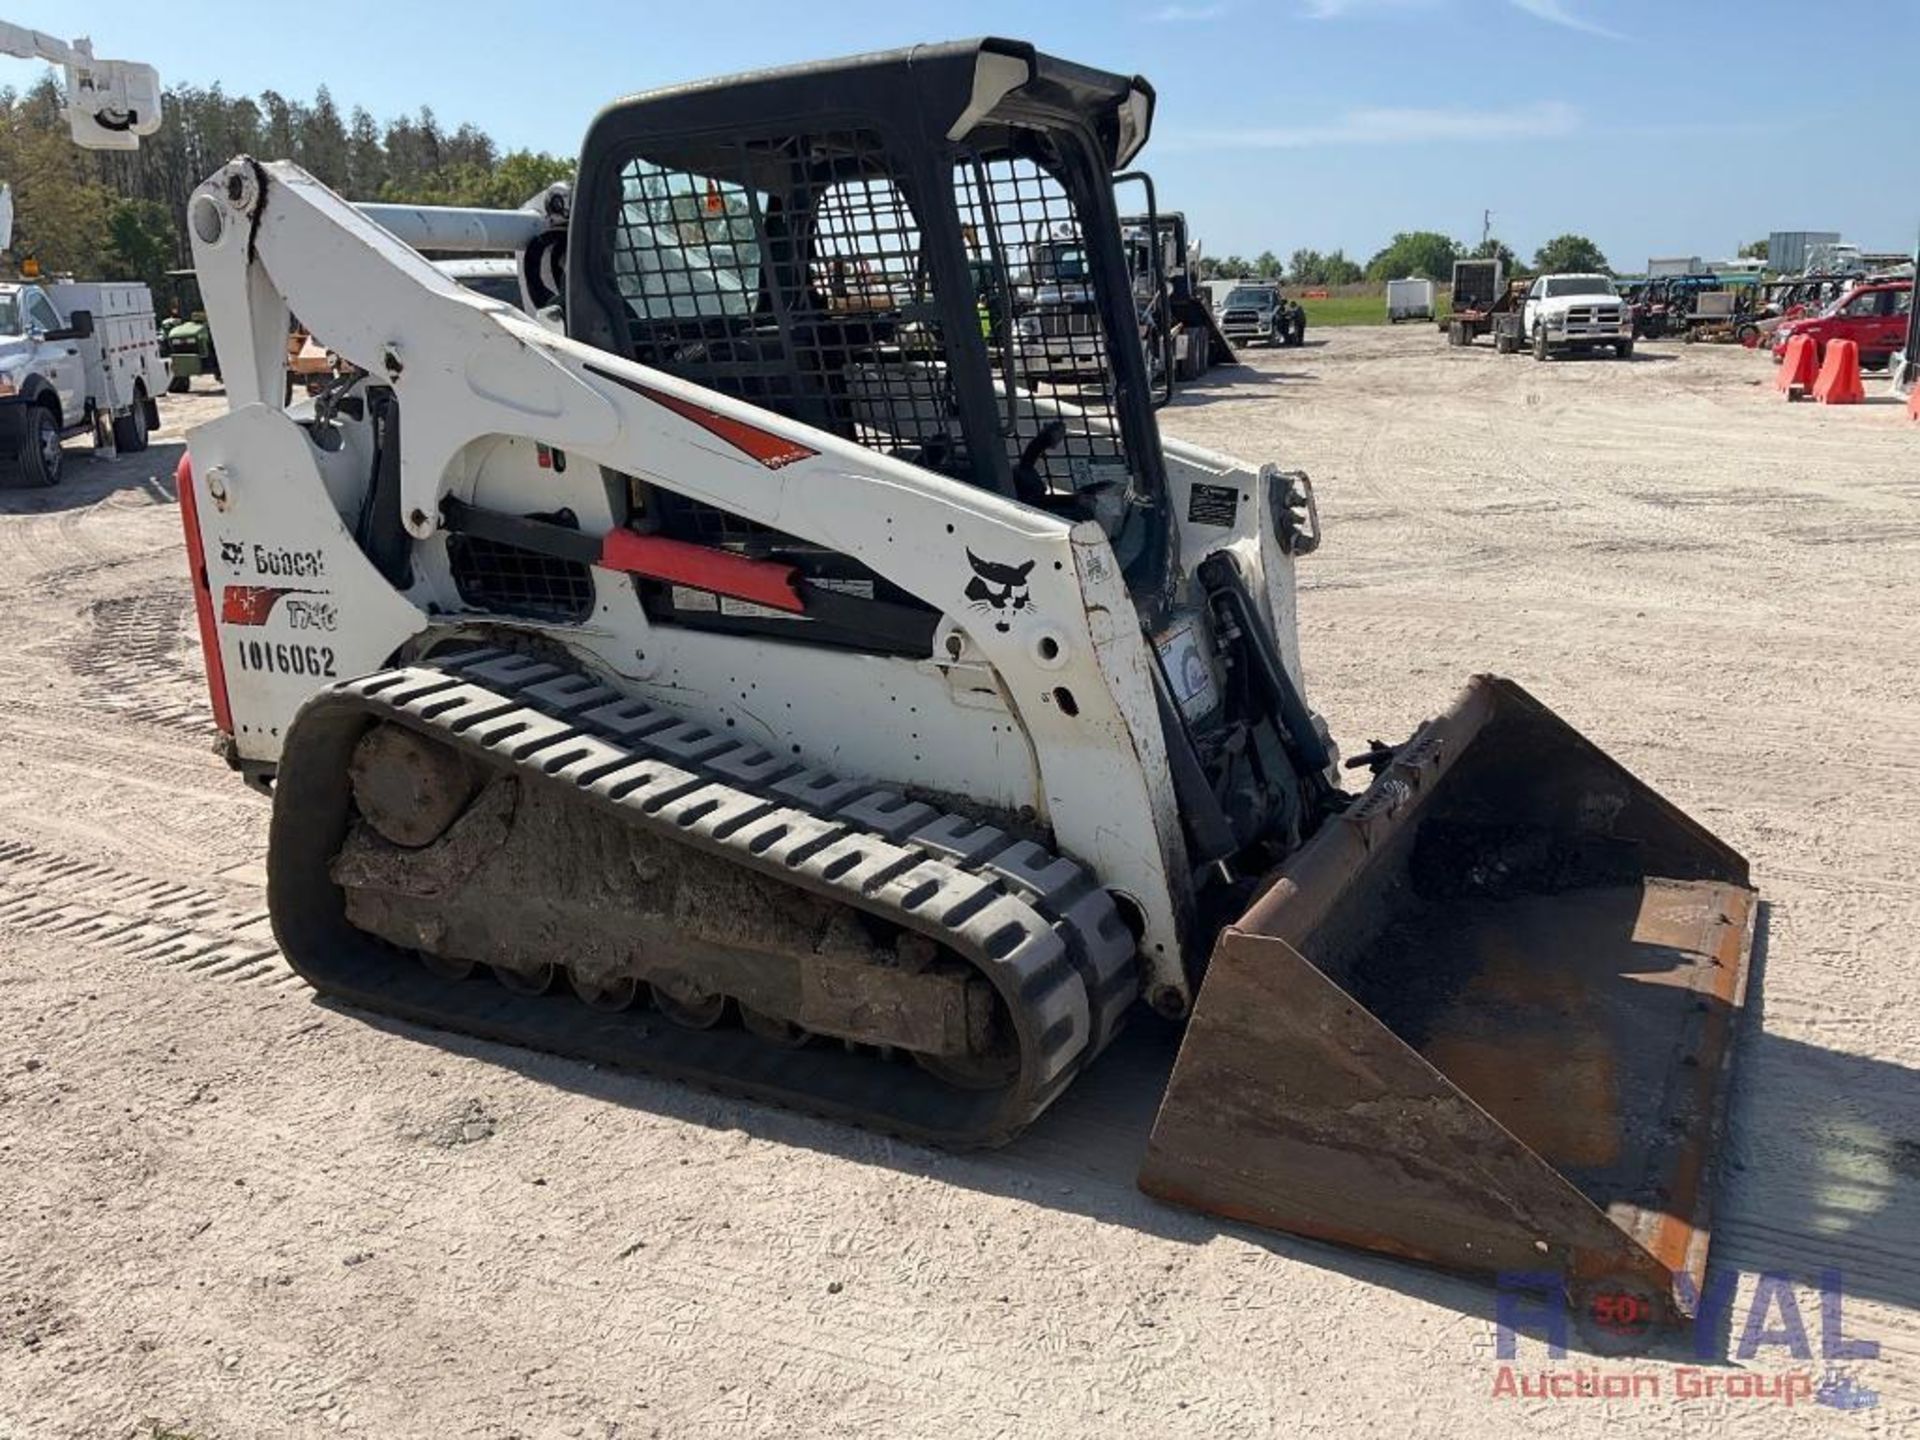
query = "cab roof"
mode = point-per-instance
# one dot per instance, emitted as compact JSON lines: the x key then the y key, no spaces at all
{"x":973,"y":90}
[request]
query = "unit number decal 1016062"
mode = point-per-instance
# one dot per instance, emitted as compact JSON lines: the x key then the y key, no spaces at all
{"x":279,"y":657}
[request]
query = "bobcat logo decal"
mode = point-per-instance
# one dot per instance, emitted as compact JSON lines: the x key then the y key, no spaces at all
{"x":998,"y":590}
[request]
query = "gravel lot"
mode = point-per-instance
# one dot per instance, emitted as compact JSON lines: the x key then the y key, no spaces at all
{"x":232,"y":1212}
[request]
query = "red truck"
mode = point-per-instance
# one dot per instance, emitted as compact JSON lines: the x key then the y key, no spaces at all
{"x":1873,"y":315}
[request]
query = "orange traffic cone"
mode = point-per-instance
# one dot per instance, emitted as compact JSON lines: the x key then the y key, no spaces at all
{"x":1797,"y":366}
{"x":1839,"y":379}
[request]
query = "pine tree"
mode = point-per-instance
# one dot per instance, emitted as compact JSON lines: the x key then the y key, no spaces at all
{"x":123,"y":215}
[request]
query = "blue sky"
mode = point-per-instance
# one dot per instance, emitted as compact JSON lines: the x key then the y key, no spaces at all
{"x":1682,"y":127}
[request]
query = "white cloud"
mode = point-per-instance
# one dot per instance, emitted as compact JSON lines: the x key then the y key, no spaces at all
{"x":1554,"y":12}
{"x":1180,"y":14}
{"x":1560,"y":12}
{"x":1339,"y":9}
{"x":1544,"y":119}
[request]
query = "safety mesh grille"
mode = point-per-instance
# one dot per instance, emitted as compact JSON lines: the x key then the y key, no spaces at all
{"x":1019,"y":219}
{"x":812,"y":303}
{"x":811,"y":292}
{"x":508,"y":580}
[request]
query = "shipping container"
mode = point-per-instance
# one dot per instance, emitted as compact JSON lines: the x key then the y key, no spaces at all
{"x":1787,"y":250}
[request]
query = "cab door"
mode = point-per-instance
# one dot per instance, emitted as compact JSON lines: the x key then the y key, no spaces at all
{"x":1890,"y":325}
{"x":1854,"y":319}
{"x":58,"y":361}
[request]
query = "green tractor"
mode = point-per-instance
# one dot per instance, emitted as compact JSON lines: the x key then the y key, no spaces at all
{"x":186,"y":335}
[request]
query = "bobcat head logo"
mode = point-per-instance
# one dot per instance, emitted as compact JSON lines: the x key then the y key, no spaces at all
{"x":998,"y":590}
{"x":232,"y":552}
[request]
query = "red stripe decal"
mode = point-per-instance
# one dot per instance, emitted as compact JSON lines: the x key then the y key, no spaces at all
{"x":765,"y":582}
{"x":772,"y":451}
{"x":252,"y":604}
{"x":203,"y":597}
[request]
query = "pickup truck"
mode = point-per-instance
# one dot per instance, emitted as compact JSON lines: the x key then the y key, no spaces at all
{"x":1576,"y":313}
{"x":1872,"y":315}
{"x":1257,"y":311}
{"x":1057,"y":332}
{"x":76,"y":358}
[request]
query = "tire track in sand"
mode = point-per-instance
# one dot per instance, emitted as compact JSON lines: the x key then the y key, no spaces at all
{"x":160,"y":921}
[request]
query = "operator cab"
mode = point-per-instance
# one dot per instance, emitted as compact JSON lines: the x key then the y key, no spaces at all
{"x":857,"y":245}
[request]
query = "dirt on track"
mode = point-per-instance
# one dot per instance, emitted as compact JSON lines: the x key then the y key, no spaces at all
{"x":233,"y":1212}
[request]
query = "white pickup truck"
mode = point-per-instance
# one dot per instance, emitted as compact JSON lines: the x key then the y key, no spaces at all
{"x":76,"y":357}
{"x":1576,"y":313}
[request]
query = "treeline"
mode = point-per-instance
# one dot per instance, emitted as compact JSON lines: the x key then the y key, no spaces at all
{"x":1410,"y":253}
{"x":121,"y":216}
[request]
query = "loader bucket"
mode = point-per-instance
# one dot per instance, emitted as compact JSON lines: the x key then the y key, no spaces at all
{"x":1482,"y":1020}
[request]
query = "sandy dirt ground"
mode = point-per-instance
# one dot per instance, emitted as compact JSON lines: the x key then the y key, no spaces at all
{"x":229,"y":1211}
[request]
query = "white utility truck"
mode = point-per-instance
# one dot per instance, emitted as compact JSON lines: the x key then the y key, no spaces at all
{"x":1576,"y":313}
{"x":76,"y":357}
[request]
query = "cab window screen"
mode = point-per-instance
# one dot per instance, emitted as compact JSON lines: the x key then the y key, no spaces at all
{"x":685,"y":245}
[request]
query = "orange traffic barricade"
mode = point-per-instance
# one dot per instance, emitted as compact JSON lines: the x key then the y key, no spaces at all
{"x":1839,"y":380}
{"x":1798,"y":366}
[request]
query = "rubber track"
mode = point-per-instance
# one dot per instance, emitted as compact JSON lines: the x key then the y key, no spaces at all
{"x":1034,"y":924}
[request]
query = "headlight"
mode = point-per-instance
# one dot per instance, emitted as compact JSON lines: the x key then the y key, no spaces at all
{"x":1557,"y":322}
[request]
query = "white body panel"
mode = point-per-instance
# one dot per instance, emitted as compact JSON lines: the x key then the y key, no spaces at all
{"x":1046,"y":707}
{"x":123,"y":359}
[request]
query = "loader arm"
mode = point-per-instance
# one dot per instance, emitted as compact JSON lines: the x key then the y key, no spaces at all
{"x":472,"y":376}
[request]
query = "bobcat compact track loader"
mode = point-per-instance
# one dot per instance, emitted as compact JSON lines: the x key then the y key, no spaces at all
{"x":738,"y":664}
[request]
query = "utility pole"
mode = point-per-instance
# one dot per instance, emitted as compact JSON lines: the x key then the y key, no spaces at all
{"x":1486,"y":227}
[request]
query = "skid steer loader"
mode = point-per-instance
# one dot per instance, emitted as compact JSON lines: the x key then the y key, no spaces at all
{"x":735,"y":664}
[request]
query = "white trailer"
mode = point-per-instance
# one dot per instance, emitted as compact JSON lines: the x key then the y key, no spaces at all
{"x":1410,"y":299}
